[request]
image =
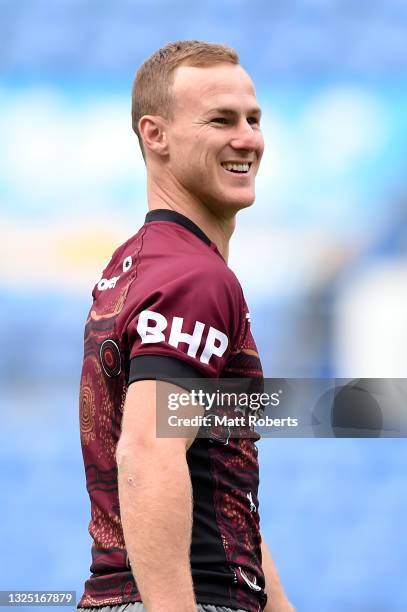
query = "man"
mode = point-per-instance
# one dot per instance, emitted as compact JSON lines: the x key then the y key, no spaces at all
{"x":175,"y":520}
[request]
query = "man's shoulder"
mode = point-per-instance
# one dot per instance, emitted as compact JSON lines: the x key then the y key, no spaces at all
{"x":173,"y":253}
{"x":163,"y":257}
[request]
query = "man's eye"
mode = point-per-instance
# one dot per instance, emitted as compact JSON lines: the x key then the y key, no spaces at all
{"x":253,"y":120}
{"x":221,"y":120}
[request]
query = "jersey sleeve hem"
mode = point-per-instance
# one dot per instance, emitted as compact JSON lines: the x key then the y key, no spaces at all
{"x":159,"y":367}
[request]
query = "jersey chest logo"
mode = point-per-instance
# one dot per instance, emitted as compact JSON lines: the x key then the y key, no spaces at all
{"x":152,"y":325}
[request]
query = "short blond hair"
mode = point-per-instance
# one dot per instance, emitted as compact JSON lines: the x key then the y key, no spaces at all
{"x":151,"y":92}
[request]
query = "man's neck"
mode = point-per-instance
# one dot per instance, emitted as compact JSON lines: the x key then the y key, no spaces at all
{"x":218,"y":229}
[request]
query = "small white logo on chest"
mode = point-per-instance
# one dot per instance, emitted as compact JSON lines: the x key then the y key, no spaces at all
{"x":107,"y":283}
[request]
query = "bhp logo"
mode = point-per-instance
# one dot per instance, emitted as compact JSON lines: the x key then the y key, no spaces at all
{"x":152,"y":325}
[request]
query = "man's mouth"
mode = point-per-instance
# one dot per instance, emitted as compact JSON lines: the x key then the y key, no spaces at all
{"x":237,"y":167}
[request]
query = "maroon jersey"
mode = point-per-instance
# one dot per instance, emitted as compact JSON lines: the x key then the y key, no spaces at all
{"x":167,"y":307}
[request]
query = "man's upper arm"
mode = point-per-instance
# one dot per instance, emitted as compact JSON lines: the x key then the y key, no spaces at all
{"x":186,"y":329}
{"x":139,"y":423}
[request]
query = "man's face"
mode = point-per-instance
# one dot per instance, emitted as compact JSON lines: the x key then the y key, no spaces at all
{"x":214,"y":136}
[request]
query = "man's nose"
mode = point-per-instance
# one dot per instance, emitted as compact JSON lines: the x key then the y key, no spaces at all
{"x":244,"y":136}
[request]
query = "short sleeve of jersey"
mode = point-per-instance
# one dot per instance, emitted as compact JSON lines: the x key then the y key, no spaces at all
{"x":187,"y":326}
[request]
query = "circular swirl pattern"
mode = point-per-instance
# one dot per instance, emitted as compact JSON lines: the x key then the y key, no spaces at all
{"x":110,"y":358}
{"x":87,"y":411}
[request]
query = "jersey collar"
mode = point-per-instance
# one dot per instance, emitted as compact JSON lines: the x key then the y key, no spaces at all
{"x":163,"y":214}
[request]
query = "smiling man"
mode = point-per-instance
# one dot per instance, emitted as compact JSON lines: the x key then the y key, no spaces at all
{"x":175,"y":521}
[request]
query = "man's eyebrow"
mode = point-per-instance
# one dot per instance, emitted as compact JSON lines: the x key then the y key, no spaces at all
{"x":256,"y":110}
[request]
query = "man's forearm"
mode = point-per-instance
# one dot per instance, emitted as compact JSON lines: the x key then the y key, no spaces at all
{"x":156,"y":513}
{"x":277,"y":600}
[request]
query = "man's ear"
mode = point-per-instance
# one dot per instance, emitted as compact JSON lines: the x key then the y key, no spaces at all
{"x":152,"y":129}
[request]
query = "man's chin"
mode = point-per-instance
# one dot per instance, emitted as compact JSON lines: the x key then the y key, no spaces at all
{"x":240,"y":198}
{"x":240,"y":203}
{"x":229,"y":204}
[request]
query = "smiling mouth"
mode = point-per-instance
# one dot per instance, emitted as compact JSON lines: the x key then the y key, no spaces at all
{"x":237,"y":167}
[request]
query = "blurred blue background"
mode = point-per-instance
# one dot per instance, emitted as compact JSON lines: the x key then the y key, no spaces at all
{"x":322,"y":257}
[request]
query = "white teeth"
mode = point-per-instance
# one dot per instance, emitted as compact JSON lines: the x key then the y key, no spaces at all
{"x":236,"y":167}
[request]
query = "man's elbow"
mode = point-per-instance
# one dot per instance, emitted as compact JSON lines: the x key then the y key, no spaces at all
{"x":143,"y":450}
{"x":133,"y":444}
{"x":121,"y":454}
{"x":129,"y":452}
